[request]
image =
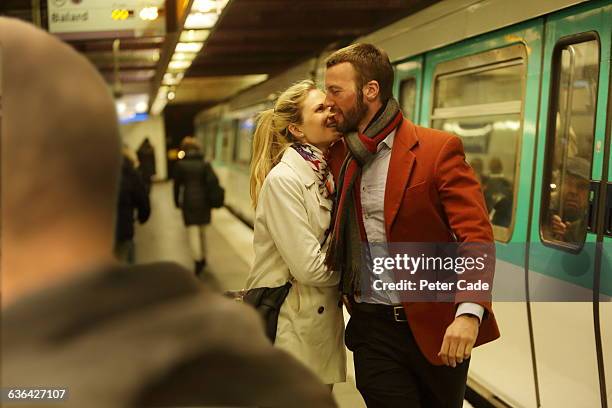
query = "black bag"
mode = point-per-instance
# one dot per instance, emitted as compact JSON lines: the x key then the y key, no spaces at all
{"x":267,"y":302}
{"x":214,"y":192}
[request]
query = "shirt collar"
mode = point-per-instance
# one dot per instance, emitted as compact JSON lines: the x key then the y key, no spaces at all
{"x":387,"y":141}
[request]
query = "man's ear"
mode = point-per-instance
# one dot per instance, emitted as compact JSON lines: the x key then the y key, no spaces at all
{"x":295,"y":132}
{"x":371,"y":91}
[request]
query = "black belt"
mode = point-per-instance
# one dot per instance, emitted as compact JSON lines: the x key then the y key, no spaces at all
{"x":389,"y":312}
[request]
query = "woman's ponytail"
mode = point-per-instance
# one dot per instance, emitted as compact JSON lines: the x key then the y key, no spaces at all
{"x":272,"y":136}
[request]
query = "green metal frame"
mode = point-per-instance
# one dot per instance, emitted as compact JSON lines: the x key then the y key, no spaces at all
{"x":412,"y":67}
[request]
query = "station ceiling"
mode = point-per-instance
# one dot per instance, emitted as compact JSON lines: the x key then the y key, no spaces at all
{"x":251,"y":38}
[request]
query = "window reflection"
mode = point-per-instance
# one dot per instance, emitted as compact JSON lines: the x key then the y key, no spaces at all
{"x":226,"y":138}
{"x":480,"y":99}
{"x":408,"y":97}
{"x":491,"y":147}
{"x":242,"y":152}
{"x":570,"y":144}
{"x":488,"y":85}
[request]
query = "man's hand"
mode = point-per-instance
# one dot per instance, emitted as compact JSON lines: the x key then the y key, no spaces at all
{"x":459,"y":340}
{"x":559,"y":227}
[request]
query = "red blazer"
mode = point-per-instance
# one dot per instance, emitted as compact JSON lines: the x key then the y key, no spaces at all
{"x":432,"y":195}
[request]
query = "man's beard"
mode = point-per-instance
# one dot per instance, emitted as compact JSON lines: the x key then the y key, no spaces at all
{"x":353,"y":116}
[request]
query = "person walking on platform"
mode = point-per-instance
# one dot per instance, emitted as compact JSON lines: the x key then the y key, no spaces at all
{"x":132,"y":197}
{"x":292,"y":190}
{"x":146,"y":157}
{"x":76,"y":323}
{"x":194,"y":180}
{"x":400,"y":183}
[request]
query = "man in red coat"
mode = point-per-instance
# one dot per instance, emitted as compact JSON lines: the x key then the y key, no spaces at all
{"x":401,"y":183}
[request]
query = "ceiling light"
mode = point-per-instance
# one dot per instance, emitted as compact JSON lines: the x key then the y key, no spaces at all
{"x":121,"y":107}
{"x":189,"y":47}
{"x":204,"y":5}
{"x":184,"y":56}
{"x":158,"y":106}
{"x":194,"y":35}
{"x":141,"y":107}
{"x":160,"y":100}
{"x":201,"y":20}
{"x":172,"y":79}
{"x":179,"y":65}
{"x":171,"y":95}
{"x":149,"y":13}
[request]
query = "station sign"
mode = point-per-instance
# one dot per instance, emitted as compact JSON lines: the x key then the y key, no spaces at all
{"x":82,"y":19}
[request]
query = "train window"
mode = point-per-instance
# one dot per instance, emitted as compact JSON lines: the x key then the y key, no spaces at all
{"x":480,"y":99}
{"x":242,"y":149}
{"x":200,"y":135}
{"x":408,"y":97}
{"x":569,"y":148}
{"x":227,"y":137}
{"x":211,"y":142}
{"x":474,"y":88}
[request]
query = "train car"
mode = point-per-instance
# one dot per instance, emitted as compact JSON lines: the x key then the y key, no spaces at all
{"x":526,"y":86}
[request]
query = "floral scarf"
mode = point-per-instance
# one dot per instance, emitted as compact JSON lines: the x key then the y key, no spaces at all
{"x":318,"y":163}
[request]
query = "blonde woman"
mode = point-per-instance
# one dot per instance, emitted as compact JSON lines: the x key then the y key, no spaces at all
{"x":292,"y":190}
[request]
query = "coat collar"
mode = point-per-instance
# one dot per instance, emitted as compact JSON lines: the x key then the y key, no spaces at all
{"x":400,"y":168}
{"x":293,"y":159}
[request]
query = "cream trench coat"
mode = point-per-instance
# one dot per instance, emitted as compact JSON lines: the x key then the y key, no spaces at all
{"x":290,"y":221}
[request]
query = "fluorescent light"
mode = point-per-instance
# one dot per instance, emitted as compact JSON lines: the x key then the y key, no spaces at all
{"x":194,"y":35}
{"x":184,"y":56}
{"x":149,"y":13}
{"x":158,"y":106}
{"x":189,"y":47}
{"x":201,"y":20}
{"x":160,"y":101}
{"x":204,"y":5}
{"x":141,"y":107}
{"x":172,"y":79}
{"x":121,"y":108}
{"x":179,"y":65}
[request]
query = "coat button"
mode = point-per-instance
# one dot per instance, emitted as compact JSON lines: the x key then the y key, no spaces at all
{"x":321,"y":309}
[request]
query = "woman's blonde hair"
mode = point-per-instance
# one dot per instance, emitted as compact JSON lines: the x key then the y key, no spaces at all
{"x":272,"y":135}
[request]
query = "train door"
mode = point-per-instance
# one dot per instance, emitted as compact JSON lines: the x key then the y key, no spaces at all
{"x":605,"y":277}
{"x":407,"y":87}
{"x":485,"y":91}
{"x":564,"y":263}
{"x":605,"y":216}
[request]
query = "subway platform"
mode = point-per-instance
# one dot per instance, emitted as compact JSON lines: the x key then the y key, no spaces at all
{"x":229,"y":257}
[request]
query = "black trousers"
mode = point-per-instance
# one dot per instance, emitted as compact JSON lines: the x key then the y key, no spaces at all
{"x":391,"y":371}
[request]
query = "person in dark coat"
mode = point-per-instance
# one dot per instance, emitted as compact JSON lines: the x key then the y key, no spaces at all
{"x":72,"y":317}
{"x":192,"y":175}
{"x":146,"y":157}
{"x":132,"y":198}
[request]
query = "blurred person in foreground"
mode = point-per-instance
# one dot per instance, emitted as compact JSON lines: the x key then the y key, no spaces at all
{"x":292,"y":190}
{"x":400,"y":184}
{"x":133,"y":197}
{"x":71,"y":316}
